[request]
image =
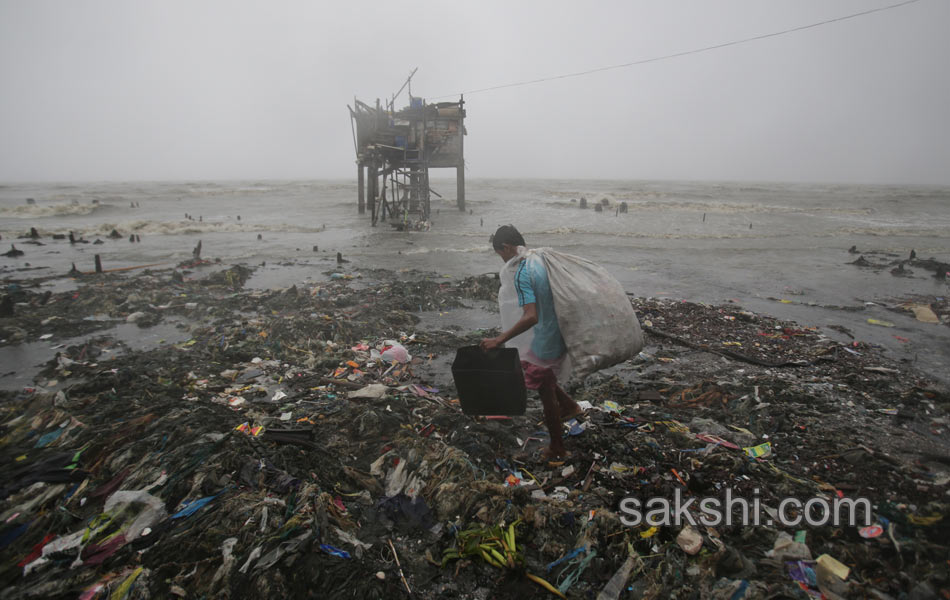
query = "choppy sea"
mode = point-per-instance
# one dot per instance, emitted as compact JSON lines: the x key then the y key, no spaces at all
{"x":753,"y":243}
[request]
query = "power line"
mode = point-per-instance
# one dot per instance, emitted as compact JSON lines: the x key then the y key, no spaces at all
{"x":684,"y":53}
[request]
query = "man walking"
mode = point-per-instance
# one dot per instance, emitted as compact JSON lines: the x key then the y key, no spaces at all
{"x":544,"y":358}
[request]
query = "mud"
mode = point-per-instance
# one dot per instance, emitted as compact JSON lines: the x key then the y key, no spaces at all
{"x":262,"y":465}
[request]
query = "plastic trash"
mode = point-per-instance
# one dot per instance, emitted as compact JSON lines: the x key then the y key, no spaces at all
{"x":924,"y":314}
{"x":872,"y":531}
{"x":575,"y":427}
{"x":334,"y":551}
{"x":395,"y":352}
{"x":803,"y":572}
{"x":760,"y":451}
{"x":690,"y":540}
{"x":834,"y":566}
{"x":786,"y":548}
{"x":373,"y":390}
{"x":616,"y":584}
{"x":151,"y":512}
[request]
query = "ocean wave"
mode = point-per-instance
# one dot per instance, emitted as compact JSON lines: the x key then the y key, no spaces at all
{"x":721,"y":207}
{"x":143,"y":227}
{"x":915,"y":232}
{"x":39,"y":211}
{"x":891,"y":231}
{"x":425,"y":250}
{"x":210,"y":189}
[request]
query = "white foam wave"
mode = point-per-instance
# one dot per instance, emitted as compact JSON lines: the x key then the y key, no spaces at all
{"x":144,"y":227}
{"x":723,"y":207}
{"x":424,"y":250}
{"x":891,"y":231}
{"x":916,"y":232}
{"x":35,"y":211}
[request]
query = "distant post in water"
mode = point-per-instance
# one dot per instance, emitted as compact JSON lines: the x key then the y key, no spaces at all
{"x":98,"y":264}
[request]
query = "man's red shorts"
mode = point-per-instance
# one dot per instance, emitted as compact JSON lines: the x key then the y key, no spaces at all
{"x":537,"y":377}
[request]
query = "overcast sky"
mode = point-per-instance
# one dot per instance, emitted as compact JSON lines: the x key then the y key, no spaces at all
{"x":230,"y":89}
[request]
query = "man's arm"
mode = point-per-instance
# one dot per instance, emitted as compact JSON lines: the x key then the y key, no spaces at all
{"x":529,"y":319}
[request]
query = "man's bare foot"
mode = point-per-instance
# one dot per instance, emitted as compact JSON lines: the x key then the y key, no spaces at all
{"x":549,"y":453}
{"x":573,"y":413}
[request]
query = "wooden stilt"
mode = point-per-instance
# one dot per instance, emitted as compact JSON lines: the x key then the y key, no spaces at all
{"x":360,"y":190}
{"x":371,"y":192}
{"x":460,"y":170}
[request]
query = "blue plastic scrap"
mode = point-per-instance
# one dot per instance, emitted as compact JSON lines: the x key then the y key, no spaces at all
{"x":574,"y":575}
{"x":192,"y":507}
{"x":740,"y":591}
{"x":334,"y":551}
{"x":49,"y":438}
{"x":567,"y":556}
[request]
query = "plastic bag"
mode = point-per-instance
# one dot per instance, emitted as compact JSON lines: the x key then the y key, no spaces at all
{"x":508,"y":303}
{"x":595,"y":316}
{"x":395,"y":352}
{"x":596,"y":319}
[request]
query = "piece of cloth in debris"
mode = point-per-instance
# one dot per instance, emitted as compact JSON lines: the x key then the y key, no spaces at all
{"x":10,"y":534}
{"x":53,"y":469}
{"x":150,"y":510}
{"x":300,"y":437}
{"x":36,"y":551}
{"x":96,"y":554}
{"x":255,"y":473}
{"x":112,"y":485}
{"x":406,"y":513}
{"x":287,"y":547}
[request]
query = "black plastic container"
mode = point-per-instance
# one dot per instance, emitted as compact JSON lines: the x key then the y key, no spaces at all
{"x":490,"y":383}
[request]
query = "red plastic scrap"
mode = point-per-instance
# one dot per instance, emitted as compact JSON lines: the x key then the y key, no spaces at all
{"x":37,"y":550}
{"x":339,"y":504}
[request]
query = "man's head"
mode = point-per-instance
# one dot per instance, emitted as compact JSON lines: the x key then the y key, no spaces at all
{"x":506,"y":241}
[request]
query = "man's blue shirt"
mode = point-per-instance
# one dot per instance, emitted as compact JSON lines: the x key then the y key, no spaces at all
{"x":531,"y":283}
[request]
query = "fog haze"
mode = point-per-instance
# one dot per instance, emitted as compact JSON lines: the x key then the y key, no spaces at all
{"x":111,"y":90}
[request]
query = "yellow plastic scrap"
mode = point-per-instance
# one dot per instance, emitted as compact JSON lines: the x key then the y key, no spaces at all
{"x":546,"y":585}
{"x":528,"y":473}
{"x":760,"y":451}
{"x":924,"y":521}
{"x":675,"y":426}
{"x":841,"y":571}
{"x":649,"y":532}
{"x":880,"y":323}
{"x":924,"y":313}
{"x":123,"y":588}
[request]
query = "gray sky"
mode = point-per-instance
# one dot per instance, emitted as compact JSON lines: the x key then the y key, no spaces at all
{"x":231,"y":89}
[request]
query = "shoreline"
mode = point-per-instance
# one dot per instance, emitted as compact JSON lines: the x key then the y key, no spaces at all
{"x":840,"y":418}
